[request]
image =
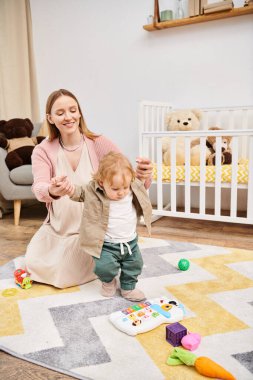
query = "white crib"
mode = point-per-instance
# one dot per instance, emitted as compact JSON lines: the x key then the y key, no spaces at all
{"x":219,"y":199}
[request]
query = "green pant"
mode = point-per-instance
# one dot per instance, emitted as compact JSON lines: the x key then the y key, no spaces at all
{"x":111,"y":260}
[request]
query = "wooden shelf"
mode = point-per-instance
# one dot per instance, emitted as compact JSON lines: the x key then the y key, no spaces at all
{"x":197,"y":19}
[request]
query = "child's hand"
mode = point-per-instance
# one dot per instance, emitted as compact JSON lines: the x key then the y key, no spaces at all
{"x":144,"y":168}
{"x":61,"y":186}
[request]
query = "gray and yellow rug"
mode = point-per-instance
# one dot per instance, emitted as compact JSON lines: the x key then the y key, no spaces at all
{"x":69,"y":330}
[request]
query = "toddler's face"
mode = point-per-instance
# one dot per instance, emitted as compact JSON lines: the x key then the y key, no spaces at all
{"x":118,"y":187}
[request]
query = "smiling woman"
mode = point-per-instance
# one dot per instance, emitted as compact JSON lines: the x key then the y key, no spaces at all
{"x":71,"y":152}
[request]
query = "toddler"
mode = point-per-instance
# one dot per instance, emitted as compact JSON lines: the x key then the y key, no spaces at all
{"x":113,"y":201}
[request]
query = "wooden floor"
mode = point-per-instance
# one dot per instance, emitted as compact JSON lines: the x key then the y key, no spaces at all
{"x":13,"y":242}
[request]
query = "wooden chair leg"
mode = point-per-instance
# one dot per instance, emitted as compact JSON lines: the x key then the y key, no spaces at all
{"x":17,"y":208}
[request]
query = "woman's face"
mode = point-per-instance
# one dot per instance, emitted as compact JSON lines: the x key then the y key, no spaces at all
{"x":65,"y":115}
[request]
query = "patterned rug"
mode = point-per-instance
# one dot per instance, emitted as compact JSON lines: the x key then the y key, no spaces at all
{"x":69,"y":331}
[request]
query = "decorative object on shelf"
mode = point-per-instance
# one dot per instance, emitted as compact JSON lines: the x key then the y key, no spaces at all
{"x":202,"y":3}
{"x":235,"y":12}
{"x":150,"y":19}
{"x":248,"y":3}
{"x":180,"y":10}
{"x":166,"y":15}
{"x":220,"y":6}
{"x":195,"y":6}
{"x":156,"y":12}
{"x":191,"y":8}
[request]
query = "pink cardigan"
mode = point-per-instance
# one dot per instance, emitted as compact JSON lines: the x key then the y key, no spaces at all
{"x":44,"y":163}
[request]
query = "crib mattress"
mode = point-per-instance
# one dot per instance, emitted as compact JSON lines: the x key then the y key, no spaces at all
{"x":226,"y":173}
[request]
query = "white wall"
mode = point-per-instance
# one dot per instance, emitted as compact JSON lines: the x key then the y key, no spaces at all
{"x":99,"y":50}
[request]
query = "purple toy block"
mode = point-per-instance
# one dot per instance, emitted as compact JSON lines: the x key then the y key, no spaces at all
{"x":174,"y":333}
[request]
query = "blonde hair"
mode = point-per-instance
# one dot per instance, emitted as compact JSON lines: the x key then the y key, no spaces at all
{"x":110,"y":165}
{"x":53,"y":131}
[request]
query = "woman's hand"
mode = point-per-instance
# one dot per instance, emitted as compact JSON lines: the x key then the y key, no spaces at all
{"x":144,"y":169}
{"x":61,"y":186}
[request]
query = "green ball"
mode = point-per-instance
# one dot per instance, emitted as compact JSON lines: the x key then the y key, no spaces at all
{"x":183,"y":264}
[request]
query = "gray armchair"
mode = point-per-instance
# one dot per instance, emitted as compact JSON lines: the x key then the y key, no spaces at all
{"x":15,"y":185}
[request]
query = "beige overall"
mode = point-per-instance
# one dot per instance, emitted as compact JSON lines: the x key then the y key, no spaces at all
{"x":54,"y":255}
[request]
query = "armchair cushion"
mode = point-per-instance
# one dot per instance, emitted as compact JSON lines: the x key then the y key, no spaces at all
{"x":22,"y":175}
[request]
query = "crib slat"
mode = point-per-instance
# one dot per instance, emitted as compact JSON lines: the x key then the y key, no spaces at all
{"x":173,"y":194}
{"x":202,"y":192}
{"x":250,"y":181}
{"x":187,"y":194}
{"x":233,"y":200}
{"x":245,"y":125}
{"x":145,"y":146}
{"x":152,"y":148}
{"x":217,"y":208}
{"x":159,"y":174}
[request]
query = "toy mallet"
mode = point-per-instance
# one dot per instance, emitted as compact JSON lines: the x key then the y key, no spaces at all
{"x":202,"y":364}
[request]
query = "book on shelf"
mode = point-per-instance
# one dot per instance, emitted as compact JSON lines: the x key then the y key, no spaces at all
{"x":218,"y":4}
{"x":202,"y":3}
{"x":197,"y":7}
{"x":218,"y":9}
{"x":193,"y":7}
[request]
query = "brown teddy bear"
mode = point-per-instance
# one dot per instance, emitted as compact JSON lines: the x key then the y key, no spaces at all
{"x":226,"y":152}
{"x":15,"y":137}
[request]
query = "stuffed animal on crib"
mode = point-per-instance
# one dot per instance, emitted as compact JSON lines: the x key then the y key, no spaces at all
{"x":16,"y":138}
{"x":226,"y":152}
{"x":182,"y":120}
